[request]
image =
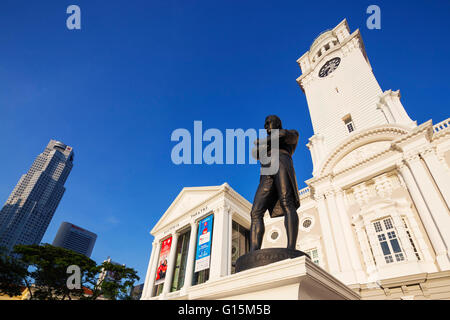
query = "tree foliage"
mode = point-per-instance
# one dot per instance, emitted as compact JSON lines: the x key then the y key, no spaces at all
{"x":113,"y":281}
{"x":12,"y":274}
{"x":43,"y":269}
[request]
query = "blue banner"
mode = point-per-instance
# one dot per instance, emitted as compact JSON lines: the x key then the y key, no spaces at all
{"x":204,"y":240}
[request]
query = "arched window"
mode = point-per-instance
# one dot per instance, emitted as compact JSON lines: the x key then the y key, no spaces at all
{"x":388,"y":240}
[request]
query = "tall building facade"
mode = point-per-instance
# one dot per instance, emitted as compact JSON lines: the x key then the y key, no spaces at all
{"x":74,"y":238}
{"x":29,"y":209}
{"x":375,"y":214}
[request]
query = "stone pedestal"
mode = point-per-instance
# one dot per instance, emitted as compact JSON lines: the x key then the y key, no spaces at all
{"x":290,"y":279}
{"x":264,"y":257}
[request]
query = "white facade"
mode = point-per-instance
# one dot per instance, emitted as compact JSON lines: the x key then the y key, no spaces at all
{"x":375,"y":214}
{"x":191,"y":205}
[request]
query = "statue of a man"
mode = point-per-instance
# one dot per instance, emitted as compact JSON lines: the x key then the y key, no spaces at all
{"x":277,"y":193}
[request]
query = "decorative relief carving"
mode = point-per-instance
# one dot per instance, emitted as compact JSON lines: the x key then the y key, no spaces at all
{"x":351,"y":45}
{"x":377,"y":134}
{"x":383,"y":185}
{"x":306,"y":223}
{"x":362,"y":153}
{"x":329,"y":193}
{"x":319,"y":196}
{"x":361,"y":193}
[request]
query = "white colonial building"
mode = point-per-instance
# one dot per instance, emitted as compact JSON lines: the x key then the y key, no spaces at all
{"x":375,"y":215}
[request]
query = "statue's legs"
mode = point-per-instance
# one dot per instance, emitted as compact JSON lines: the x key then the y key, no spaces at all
{"x":265,"y":197}
{"x":291,"y":225}
{"x":287,"y":202}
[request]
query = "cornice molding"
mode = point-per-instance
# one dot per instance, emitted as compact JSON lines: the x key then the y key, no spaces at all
{"x":428,"y":151}
{"x":425,"y":128}
{"x":401,"y":165}
{"x":412,"y":157}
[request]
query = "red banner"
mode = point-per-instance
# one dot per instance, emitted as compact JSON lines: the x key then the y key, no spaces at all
{"x":163,"y":257}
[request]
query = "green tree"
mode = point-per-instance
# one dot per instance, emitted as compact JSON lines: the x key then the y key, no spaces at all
{"x":43,"y":269}
{"x":48,"y":270}
{"x":13,"y":274}
{"x":111,"y":281}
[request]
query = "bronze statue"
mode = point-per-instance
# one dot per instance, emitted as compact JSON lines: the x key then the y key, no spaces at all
{"x":277,"y":193}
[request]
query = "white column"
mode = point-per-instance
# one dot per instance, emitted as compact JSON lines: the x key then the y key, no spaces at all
{"x":395,"y":112}
{"x":330,"y":249}
{"x":344,"y":258}
{"x":152,"y":278}
{"x":349,"y":237}
{"x":425,"y":216}
{"x":403,"y":237}
{"x":374,"y":243}
{"x":318,"y":149}
{"x":417,"y":233}
{"x":365,"y":246}
{"x":438,"y":209}
{"x":385,"y":109}
{"x":230,"y":239}
{"x":191,"y":257}
{"x":312,"y":150}
{"x":145,"y":293}
{"x":440,"y":174}
{"x":392,"y":100}
{"x":170,"y":264}
{"x":219,"y":252}
{"x":397,"y":104}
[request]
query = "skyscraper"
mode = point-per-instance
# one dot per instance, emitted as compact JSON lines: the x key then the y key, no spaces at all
{"x":72,"y":237}
{"x":32,"y":204}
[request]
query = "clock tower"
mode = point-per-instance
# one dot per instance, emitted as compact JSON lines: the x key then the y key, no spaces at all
{"x":342,"y":93}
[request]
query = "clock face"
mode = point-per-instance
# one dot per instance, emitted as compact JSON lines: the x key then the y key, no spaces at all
{"x":329,"y":67}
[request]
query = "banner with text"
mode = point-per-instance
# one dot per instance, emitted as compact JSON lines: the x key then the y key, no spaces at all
{"x":202,"y":257}
{"x":163,"y":257}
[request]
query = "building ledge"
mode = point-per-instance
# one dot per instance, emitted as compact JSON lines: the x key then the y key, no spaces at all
{"x":296,"y":279}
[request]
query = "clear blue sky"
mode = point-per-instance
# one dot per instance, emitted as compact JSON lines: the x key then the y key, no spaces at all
{"x":138,"y":70}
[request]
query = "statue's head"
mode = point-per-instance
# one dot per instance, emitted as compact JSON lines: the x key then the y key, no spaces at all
{"x":272,"y":122}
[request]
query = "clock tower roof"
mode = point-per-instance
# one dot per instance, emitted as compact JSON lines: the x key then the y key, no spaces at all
{"x":323,"y":37}
{"x":342,"y":93}
{"x":324,"y":45}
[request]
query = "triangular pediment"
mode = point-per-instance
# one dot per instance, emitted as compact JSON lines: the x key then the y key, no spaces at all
{"x":186,"y":200}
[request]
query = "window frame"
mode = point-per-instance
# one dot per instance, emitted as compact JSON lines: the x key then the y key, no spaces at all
{"x":388,"y":240}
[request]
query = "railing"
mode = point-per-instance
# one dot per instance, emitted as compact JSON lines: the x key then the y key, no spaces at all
{"x":441,"y":125}
{"x":303,"y":192}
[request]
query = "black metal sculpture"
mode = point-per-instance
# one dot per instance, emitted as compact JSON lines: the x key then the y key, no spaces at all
{"x":277,"y":193}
